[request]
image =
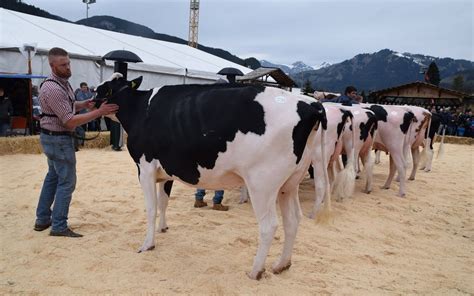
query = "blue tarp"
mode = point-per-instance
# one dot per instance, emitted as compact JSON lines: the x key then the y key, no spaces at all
{"x":27,"y":76}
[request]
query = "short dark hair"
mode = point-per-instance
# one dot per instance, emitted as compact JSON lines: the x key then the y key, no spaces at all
{"x":56,"y":52}
{"x":83,"y":84}
{"x":350,"y":89}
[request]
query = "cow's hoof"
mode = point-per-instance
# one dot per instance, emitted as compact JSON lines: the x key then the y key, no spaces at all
{"x":163,"y":230}
{"x":402,"y":195}
{"x":256,"y":276}
{"x":427,"y":171}
{"x":385,"y":187}
{"x":143,"y":249}
{"x":411,"y":179}
{"x":367,"y":191}
{"x":277,"y":269}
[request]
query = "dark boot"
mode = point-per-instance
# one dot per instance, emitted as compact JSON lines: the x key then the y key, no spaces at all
{"x":200,"y":203}
{"x":220,"y":207}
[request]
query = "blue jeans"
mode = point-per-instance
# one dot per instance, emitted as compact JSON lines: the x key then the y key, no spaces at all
{"x":218,"y":195}
{"x":3,"y":129}
{"x":59,"y":183}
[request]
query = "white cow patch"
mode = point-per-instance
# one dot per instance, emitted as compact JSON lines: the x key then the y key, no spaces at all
{"x":280,"y":99}
{"x":155,"y":90}
{"x":394,"y":112}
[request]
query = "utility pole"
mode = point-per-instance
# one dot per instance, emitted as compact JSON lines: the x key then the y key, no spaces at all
{"x":193,"y":23}
{"x":87,"y":2}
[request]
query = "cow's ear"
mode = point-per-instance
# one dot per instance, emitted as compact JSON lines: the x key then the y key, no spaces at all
{"x":135,"y":83}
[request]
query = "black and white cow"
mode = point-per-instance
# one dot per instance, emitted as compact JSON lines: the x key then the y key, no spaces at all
{"x":426,"y":160}
{"x":393,"y":137}
{"x":221,"y":136}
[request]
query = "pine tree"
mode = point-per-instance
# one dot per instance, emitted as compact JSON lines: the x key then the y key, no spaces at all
{"x":458,"y":83}
{"x":432,"y":75}
{"x":307,"y":89}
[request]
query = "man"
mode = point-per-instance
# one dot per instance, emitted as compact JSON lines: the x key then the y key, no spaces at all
{"x":350,"y":96}
{"x":6,"y":111}
{"x":217,"y":200}
{"x":58,"y":122}
{"x":82,"y":94}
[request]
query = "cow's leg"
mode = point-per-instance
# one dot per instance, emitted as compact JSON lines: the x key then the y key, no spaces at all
{"x":400,"y":165}
{"x":291,"y":215}
{"x":369,"y":170}
{"x":319,"y":188}
{"x":391,"y":174}
{"x":377,"y":156}
{"x":244,"y":194}
{"x":264,"y":206}
{"x":148,"y":183}
{"x":415,"y":152}
{"x":162,"y":198}
{"x":429,"y":155}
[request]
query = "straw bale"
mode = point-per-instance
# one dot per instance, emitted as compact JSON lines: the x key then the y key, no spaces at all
{"x":31,"y":144}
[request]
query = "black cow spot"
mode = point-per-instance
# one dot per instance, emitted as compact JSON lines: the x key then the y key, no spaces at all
{"x":309,"y":114}
{"x":186,"y":126}
{"x":369,"y":127}
{"x":380,"y":112}
{"x":407,"y":119}
{"x":340,"y":126}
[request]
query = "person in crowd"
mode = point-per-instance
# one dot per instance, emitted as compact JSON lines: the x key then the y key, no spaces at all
{"x":58,"y":121}
{"x":6,"y":111}
{"x":82,"y":94}
{"x":217,"y":200}
{"x":36,"y":108}
{"x":349,"y":97}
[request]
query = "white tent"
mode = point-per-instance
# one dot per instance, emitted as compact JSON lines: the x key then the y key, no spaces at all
{"x":164,"y":63}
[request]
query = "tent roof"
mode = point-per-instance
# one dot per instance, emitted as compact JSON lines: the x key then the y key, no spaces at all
{"x":18,"y":29}
{"x":27,"y":76}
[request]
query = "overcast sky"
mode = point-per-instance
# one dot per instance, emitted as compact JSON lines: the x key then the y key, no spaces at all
{"x":312,"y":31}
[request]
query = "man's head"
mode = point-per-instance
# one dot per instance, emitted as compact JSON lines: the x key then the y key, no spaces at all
{"x":59,"y":62}
{"x":351,"y":92}
{"x":84,"y":87}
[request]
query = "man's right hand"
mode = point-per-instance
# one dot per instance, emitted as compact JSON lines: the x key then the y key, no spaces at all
{"x":106,"y":109}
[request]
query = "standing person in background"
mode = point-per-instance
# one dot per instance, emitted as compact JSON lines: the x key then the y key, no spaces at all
{"x":349,"y":97}
{"x":82,"y":94}
{"x":6,"y":111}
{"x":58,"y":121}
{"x":217,"y":200}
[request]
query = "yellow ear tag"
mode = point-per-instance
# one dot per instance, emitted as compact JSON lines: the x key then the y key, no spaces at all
{"x":109,"y":93}
{"x":133,"y":84}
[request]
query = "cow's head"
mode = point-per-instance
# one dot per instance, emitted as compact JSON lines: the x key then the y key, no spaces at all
{"x":110,"y":89}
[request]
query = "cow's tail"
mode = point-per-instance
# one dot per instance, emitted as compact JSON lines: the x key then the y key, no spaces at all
{"x":325,"y":213}
{"x":426,"y":149}
{"x":406,"y":140}
{"x":345,"y":180}
{"x":441,"y":145}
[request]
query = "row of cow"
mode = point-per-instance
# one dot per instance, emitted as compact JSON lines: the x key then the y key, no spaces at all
{"x":225,"y":136}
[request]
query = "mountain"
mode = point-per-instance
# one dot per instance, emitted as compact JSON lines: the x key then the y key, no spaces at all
{"x":294,"y":68}
{"x":383,"y":69}
{"x":123,"y":26}
{"x":17,"y":5}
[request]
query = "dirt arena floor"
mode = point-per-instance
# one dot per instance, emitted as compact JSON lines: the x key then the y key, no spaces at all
{"x":376,"y":244}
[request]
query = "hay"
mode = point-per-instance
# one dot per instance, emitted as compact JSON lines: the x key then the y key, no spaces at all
{"x":456,"y":140}
{"x":31,"y":144}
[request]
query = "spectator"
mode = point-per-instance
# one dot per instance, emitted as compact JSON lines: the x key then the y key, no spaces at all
{"x":6,"y":111}
{"x":217,"y":200}
{"x":349,"y":97}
